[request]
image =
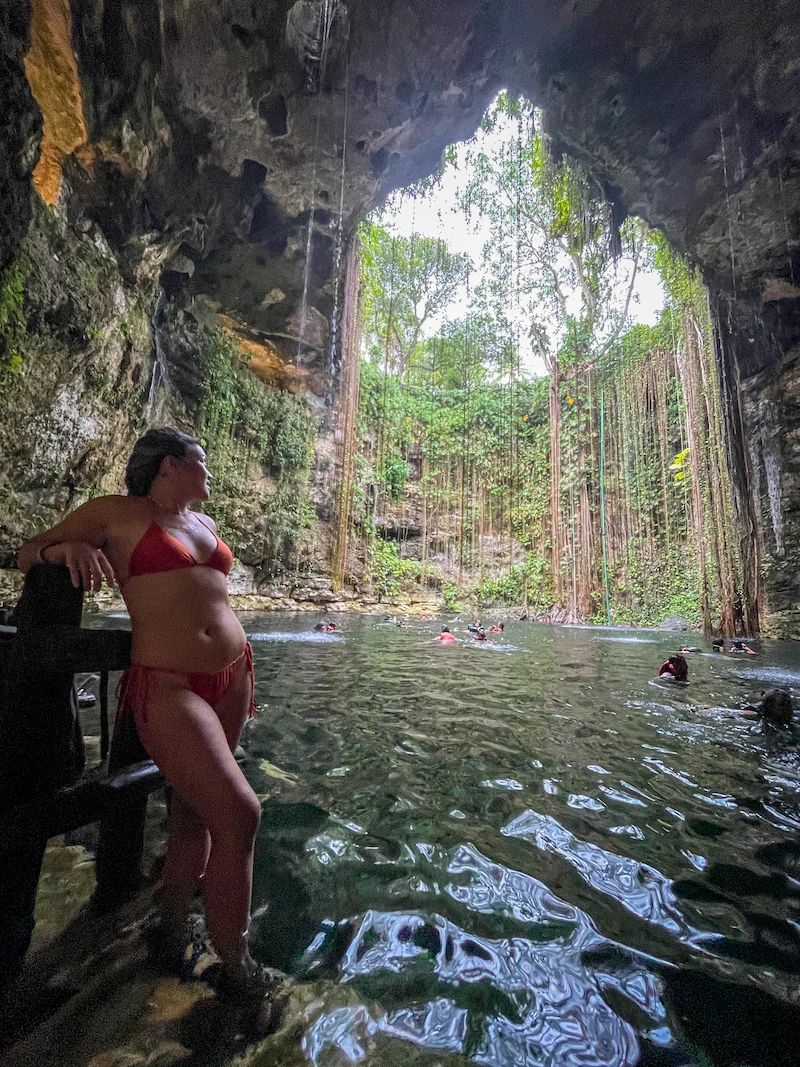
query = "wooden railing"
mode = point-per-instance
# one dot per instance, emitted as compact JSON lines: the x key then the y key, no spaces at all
{"x":45,"y":786}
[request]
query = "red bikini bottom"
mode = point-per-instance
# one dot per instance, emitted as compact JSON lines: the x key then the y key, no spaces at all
{"x":209,"y":686}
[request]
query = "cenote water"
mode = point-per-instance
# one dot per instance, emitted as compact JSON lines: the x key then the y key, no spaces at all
{"x":526,"y":852}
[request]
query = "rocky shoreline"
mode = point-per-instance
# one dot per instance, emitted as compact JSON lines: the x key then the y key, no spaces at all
{"x":315,"y":593}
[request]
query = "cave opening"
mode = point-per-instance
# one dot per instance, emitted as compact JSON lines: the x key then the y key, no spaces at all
{"x":539,"y":409}
{"x":573,"y":399}
{"x":203,"y":205}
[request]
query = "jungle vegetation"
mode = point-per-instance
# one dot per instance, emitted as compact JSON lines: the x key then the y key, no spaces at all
{"x":595,"y":484}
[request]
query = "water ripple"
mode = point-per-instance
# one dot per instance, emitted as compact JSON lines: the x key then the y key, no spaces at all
{"x":304,"y":637}
{"x":537,"y":859}
{"x":638,"y":887}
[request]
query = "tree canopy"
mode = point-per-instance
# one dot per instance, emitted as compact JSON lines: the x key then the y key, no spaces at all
{"x":597,"y":487}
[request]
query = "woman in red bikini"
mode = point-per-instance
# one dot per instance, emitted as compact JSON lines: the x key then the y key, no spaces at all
{"x":190,"y":685}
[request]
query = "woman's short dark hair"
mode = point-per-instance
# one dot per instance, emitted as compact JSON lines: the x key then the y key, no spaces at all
{"x":148,"y":454}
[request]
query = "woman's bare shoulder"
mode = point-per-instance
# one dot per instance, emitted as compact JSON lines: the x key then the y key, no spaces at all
{"x":111,"y":503}
{"x":206,"y":520}
{"x":113,"y":508}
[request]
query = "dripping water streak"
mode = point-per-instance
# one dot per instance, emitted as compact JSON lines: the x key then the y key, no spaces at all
{"x":327,"y":11}
{"x":786,"y":226}
{"x":340,"y":229}
{"x":159,"y":381}
{"x":728,"y":206}
{"x":773,"y":472}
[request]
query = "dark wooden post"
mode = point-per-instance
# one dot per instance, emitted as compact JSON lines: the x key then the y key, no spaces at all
{"x":118,"y":865}
{"x":41,"y":749}
{"x":43,"y":790}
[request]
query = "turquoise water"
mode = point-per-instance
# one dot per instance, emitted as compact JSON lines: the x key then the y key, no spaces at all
{"x":525,"y":852}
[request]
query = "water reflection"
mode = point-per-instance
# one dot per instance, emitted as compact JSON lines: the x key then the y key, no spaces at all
{"x":529,"y":859}
{"x":539,"y":997}
{"x":306,"y":637}
{"x":639,"y":888}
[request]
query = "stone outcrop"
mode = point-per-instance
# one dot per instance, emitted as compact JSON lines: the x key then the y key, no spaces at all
{"x":230,"y":148}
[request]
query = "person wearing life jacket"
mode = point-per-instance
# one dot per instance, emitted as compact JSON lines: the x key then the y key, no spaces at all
{"x":190,"y":686}
{"x":480,"y":635}
{"x":446,"y":637}
{"x":674,"y":669}
{"x":497,"y":629}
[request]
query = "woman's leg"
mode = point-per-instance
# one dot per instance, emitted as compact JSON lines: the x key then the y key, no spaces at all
{"x":232,"y":710}
{"x":189,"y":841}
{"x":189,"y":743}
{"x":187,"y":856}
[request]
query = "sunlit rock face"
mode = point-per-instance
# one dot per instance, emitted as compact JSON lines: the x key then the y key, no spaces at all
{"x":231,"y":146}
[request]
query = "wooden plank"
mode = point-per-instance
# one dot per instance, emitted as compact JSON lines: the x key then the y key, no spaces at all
{"x":70,"y":648}
{"x":87,"y":801}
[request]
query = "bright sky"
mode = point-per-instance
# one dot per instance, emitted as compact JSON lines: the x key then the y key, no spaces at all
{"x":437,"y":215}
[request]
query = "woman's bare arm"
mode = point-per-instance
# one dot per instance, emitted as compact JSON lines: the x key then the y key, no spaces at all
{"x":77,"y":541}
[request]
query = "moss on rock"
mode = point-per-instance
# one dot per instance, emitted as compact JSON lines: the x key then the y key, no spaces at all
{"x":260,"y":442}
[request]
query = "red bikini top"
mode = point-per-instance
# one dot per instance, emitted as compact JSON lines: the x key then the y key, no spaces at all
{"x":158,"y":551}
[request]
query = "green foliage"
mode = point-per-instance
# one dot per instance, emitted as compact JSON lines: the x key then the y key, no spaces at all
{"x":680,"y":465}
{"x":551,"y":238}
{"x":451,"y":597}
{"x":529,"y":582}
{"x":450,"y":423}
{"x":276,"y":427}
{"x":386,"y":569}
{"x":12,"y":320}
{"x":249,"y":427}
{"x":647,"y":587}
{"x":404,"y":283}
{"x":394,"y":475}
{"x":454,"y":411}
{"x":683,"y":282}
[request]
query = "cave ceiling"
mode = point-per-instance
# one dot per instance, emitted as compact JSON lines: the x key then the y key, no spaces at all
{"x":214,"y":128}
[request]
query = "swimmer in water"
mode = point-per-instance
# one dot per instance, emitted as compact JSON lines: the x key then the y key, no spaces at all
{"x":497,"y":629}
{"x":741,"y":647}
{"x":775,"y":707}
{"x":473,"y":627}
{"x":674,"y":669}
{"x":688,"y":648}
{"x":446,"y":637}
{"x":718,"y":644}
{"x":480,"y":635}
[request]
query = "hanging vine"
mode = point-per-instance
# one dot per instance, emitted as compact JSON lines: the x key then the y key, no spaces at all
{"x":599,"y":489}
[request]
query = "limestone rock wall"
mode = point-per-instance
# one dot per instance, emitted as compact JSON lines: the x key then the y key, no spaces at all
{"x":74,"y":395}
{"x":216,"y":155}
{"x":772,"y":413}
